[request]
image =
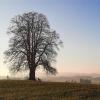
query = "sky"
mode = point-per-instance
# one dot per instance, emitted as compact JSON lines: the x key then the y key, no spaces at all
{"x":77,"y":22}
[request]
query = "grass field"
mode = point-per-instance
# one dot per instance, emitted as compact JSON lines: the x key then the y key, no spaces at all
{"x":29,"y":90}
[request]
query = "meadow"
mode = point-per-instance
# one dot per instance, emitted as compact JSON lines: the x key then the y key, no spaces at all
{"x":30,"y":90}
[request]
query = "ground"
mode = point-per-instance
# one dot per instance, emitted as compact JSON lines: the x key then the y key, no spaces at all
{"x":30,"y":90}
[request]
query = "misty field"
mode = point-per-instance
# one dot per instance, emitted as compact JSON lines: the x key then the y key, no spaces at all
{"x":29,"y":90}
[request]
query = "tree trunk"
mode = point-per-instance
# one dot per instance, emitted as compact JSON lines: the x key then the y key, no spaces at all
{"x":32,"y":74}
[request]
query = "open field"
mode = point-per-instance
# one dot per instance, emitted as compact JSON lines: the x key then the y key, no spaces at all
{"x":29,"y":90}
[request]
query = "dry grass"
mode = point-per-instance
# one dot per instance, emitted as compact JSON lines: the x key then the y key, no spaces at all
{"x":29,"y":90}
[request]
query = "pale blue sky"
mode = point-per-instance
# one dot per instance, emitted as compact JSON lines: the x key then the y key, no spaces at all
{"x":77,"y":21}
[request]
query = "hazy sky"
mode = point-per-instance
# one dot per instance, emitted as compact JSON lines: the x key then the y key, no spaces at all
{"x":77,"y":22}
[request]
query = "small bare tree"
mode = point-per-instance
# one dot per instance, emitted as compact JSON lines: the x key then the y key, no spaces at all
{"x":32,"y":44}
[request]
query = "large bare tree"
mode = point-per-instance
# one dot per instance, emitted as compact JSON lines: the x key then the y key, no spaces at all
{"x":32,"y":44}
